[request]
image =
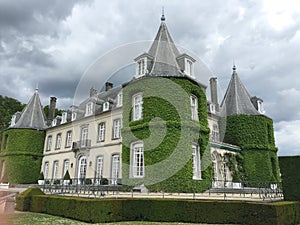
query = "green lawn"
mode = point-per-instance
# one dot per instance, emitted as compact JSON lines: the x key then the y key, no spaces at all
{"x":44,"y":219}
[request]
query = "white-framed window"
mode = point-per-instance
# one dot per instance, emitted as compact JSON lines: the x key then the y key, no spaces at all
{"x":55,"y":170}
{"x":141,"y":67}
{"x":49,"y":143}
{"x":260,"y":107}
{"x":115,"y":168}
{"x":54,"y":122}
{"x":13,"y":120}
{"x":137,"y":106}
{"x":84,"y":137}
{"x":69,"y":139}
{"x":105,"y":106}
{"x":101,"y":131}
{"x":116,"y":129}
{"x":58,"y":141}
{"x":189,"y":67}
{"x":99,"y":169}
{"x":215,"y":133}
{"x":66,"y":167}
{"x":196,"y":162}
{"x":64,"y":117}
{"x":120,"y":99}
{"x":137,"y":160}
{"x":46,"y":170}
{"x":74,"y":115}
{"x":89,"y":109}
{"x":82,"y":164}
{"x":194,"y":107}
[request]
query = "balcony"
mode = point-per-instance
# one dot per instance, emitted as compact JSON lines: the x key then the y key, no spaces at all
{"x":83,"y":144}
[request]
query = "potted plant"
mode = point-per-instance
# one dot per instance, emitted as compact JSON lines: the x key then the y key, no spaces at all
{"x":67,"y":178}
{"x":41,"y":179}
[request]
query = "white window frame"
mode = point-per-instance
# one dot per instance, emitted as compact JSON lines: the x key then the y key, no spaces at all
{"x":68,"y":139}
{"x":120,"y":99}
{"x":74,"y":115}
{"x":99,"y":168}
{"x":215,"y":133}
{"x":141,"y":67}
{"x":65,"y":167}
{"x":55,"y":170}
{"x":54,"y":122}
{"x":82,"y":166}
{"x":116,"y":129}
{"x":196,"y":161}
{"x":101,"y":132}
{"x":89,"y":109}
{"x":105,"y":106}
{"x":260,"y":107}
{"x":115,"y":168}
{"x":194,"y":107}
{"x":137,"y":160}
{"x":137,"y":107}
{"x":189,"y":67}
{"x":46,"y":170}
{"x":64,"y":117}
{"x":84,"y":136}
{"x":49,"y":143}
{"x":58,"y":141}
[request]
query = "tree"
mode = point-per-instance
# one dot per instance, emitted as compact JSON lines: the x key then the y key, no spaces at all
{"x":57,"y":111}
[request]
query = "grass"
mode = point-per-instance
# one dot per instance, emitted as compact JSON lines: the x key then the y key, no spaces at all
{"x":45,"y":219}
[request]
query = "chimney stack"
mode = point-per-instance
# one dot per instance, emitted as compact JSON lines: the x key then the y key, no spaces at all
{"x":214,"y":92}
{"x":52,"y":107}
{"x":108,"y":86}
{"x":93,"y":92}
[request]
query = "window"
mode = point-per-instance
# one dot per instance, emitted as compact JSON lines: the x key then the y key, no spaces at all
{"x":58,"y":141}
{"x":101,"y":131}
{"x":84,"y":137}
{"x":55,"y":170}
{"x":64,"y":117}
{"x":82,"y":163}
{"x":74,"y":115}
{"x":260,"y":107}
{"x":46,"y":170}
{"x":188,"y":67}
{"x":54,"y":122}
{"x":196,"y":162}
{"x":89,"y":109}
{"x":194,"y":107}
{"x":115,"y":168}
{"x":49,"y":143}
{"x":66,"y":167}
{"x":215,"y":133}
{"x":120,"y":99}
{"x":105,"y":106}
{"x":116,"y":129}
{"x":69,"y":139}
{"x":99,"y":169}
{"x":141,"y":67}
{"x":137,"y":157}
{"x":137,"y":103}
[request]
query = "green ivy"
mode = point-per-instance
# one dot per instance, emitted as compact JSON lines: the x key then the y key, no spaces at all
{"x":22,"y":154}
{"x":172,"y":125}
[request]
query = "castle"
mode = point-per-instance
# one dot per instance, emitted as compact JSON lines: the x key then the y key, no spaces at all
{"x":155,"y":129}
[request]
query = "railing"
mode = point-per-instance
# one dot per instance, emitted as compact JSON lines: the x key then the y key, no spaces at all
{"x":81,"y":144}
{"x":112,"y":187}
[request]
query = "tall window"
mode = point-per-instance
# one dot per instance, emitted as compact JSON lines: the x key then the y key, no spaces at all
{"x":137,"y":103}
{"x":141,"y":67}
{"x":137,"y":158}
{"x":84,"y":137}
{"x":82,"y":163}
{"x":55,"y":170}
{"x":215,"y":133}
{"x":105,"y":106}
{"x":117,"y":129}
{"x":66,"y":167}
{"x":64,"y":117}
{"x":194,"y":107}
{"x":99,"y":169}
{"x":101,"y":131}
{"x":89,"y":109}
{"x":115,"y":168}
{"x":69,"y":139}
{"x":120,"y":99}
{"x":74,"y":115}
{"x":46,"y":170}
{"x":196,"y":162}
{"x":188,"y":67}
{"x":58,"y":141}
{"x":49,"y":143}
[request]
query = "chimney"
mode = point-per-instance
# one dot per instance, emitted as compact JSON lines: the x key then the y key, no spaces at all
{"x":214,"y":92}
{"x":93,"y":92}
{"x":108,"y":86}
{"x":51,"y":110}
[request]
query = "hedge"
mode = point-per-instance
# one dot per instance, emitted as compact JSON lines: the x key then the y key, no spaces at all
{"x":289,"y":167}
{"x":165,"y":210}
{"x":24,"y":198}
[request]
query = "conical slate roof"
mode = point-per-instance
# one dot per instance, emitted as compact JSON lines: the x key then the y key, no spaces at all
{"x":237,"y":100}
{"x":33,"y":115}
{"x":164,"y":52}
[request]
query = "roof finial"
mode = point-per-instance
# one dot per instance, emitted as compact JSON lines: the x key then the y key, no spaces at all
{"x":234,"y":67}
{"x":162,"y":14}
{"x":37,"y":87}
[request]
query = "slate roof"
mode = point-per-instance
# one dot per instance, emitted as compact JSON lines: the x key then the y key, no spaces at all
{"x":237,"y":100}
{"x":33,"y":115}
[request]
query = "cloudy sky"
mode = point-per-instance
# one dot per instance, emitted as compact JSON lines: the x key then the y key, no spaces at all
{"x":53,"y":44}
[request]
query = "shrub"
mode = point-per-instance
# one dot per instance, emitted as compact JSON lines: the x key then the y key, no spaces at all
{"x":67,"y":176}
{"x":88,"y":181}
{"x":23,"y":199}
{"x":103,"y":181}
{"x":41,"y":176}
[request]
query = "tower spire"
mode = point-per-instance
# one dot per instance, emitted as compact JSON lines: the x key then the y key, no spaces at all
{"x":163,"y":18}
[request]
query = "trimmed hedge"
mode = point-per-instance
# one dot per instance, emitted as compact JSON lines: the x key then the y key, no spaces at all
{"x":167,"y":210}
{"x":289,"y":167}
{"x":23,"y":199}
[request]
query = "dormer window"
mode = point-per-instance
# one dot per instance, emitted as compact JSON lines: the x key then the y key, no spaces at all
{"x":74,"y":115}
{"x":105,"y":106}
{"x":141,"y":67}
{"x":54,"y":122}
{"x":64,"y":117}
{"x":89,"y":109}
{"x":189,"y":67}
{"x":120,"y":99}
{"x":260,"y":106}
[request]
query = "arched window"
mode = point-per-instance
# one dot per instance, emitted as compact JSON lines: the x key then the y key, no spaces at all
{"x":82,"y":163}
{"x":137,"y":160}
